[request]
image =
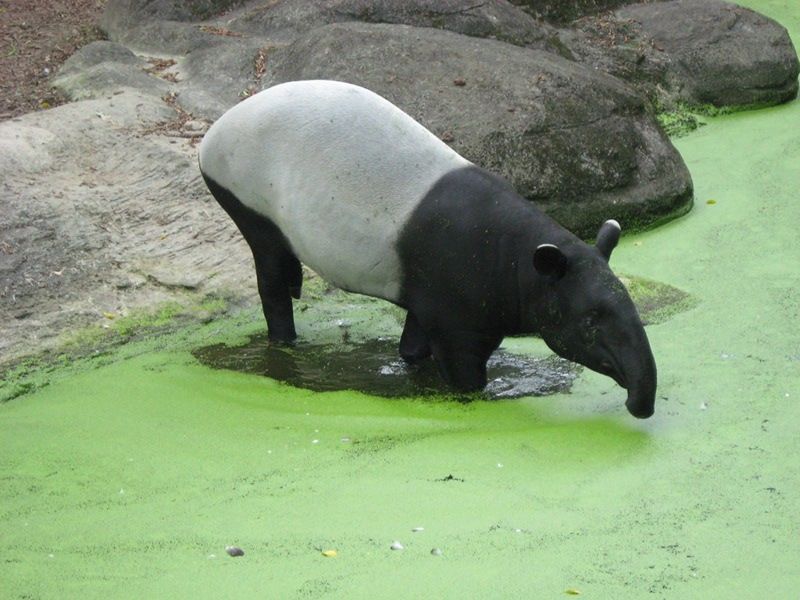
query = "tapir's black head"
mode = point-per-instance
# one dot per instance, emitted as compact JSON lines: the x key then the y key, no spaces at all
{"x":585,"y":314}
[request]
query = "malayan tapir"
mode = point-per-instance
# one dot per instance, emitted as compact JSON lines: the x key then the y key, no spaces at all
{"x":334,"y":176}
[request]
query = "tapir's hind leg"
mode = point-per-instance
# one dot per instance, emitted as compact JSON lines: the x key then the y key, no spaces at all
{"x":279,"y":278}
{"x":278,"y":271}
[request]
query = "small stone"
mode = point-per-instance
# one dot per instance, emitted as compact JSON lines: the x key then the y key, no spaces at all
{"x":447,"y":137}
{"x":436,"y":552}
{"x":459,"y":82}
{"x":194,"y":126}
{"x":703,"y":406}
{"x":397,"y":546}
{"x":234,"y":551}
{"x":418,"y":529}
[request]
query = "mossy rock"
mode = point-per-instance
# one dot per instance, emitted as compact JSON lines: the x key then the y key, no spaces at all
{"x":657,"y":302}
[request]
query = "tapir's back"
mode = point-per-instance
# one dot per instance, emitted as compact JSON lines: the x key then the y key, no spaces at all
{"x":336,"y":167}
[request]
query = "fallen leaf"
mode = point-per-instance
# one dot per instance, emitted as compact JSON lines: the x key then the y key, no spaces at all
{"x":329,"y":553}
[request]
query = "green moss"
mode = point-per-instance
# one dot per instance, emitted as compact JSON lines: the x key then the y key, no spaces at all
{"x":678,"y":123}
{"x":657,"y":302}
{"x":682,"y":118}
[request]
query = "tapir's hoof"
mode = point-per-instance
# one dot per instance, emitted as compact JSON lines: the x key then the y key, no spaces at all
{"x":282,"y":339}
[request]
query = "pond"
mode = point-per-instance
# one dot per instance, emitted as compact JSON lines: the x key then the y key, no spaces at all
{"x":131,"y":473}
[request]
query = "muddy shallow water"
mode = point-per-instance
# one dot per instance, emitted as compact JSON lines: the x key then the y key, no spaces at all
{"x":374,"y":367}
{"x":130,"y":474}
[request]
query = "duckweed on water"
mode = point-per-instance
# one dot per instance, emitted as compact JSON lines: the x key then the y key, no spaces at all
{"x":690,"y":504}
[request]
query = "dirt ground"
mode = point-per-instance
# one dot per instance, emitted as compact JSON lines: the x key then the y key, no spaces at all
{"x":36,"y":37}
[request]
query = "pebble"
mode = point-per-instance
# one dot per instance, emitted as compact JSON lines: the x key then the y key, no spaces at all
{"x":195,"y":126}
{"x":436,"y":552}
{"x":396,"y":546}
{"x":418,"y":529}
{"x":234,"y":551}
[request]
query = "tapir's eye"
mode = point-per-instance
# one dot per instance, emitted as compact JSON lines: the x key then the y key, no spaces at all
{"x":591,"y":321}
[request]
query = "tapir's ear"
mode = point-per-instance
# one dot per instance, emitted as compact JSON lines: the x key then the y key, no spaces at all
{"x":549,"y":260}
{"x":607,"y":237}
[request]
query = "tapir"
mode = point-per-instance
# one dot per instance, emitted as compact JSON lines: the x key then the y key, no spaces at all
{"x":334,"y":176}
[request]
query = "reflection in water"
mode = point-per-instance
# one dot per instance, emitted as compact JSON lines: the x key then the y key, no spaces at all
{"x":374,"y":367}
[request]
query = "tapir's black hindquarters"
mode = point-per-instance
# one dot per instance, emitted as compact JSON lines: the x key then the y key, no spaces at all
{"x":278,"y":272}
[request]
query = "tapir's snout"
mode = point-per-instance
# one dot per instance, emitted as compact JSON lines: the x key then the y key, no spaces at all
{"x":641,"y":378}
{"x":641,"y":409}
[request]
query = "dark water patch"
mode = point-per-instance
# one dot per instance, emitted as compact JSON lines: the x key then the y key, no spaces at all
{"x":374,"y":367}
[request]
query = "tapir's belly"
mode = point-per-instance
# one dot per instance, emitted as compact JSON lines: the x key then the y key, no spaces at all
{"x":337,"y":168}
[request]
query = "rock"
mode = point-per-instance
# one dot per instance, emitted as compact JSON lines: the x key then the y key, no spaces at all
{"x":126,"y":14}
{"x":719,"y":53}
{"x":564,"y":11}
{"x":25,"y":148}
{"x":579,"y":143}
{"x":499,"y":19}
{"x":219,"y":75}
{"x":690,"y":51}
{"x":104,"y":67}
{"x":617,"y":47}
{"x":88,"y":196}
{"x":195,"y":126}
{"x":158,"y":25}
{"x":99,"y":52}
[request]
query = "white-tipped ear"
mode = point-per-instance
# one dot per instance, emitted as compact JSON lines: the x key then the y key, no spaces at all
{"x":549,"y":260}
{"x":607,"y":237}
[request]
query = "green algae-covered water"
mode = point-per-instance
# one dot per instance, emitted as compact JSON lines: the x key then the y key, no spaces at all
{"x":129,"y":475}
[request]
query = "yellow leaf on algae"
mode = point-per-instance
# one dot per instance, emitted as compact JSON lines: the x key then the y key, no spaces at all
{"x":329,"y":553}
{"x":572,"y":592}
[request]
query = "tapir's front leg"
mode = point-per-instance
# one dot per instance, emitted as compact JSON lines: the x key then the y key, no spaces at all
{"x":462,"y":356}
{"x":414,"y":344}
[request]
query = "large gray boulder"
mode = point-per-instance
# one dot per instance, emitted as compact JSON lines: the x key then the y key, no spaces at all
{"x":498,"y":19}
{"x":691,"y":51}
{"x":579,"y":143}
{"x":720,"y":53}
